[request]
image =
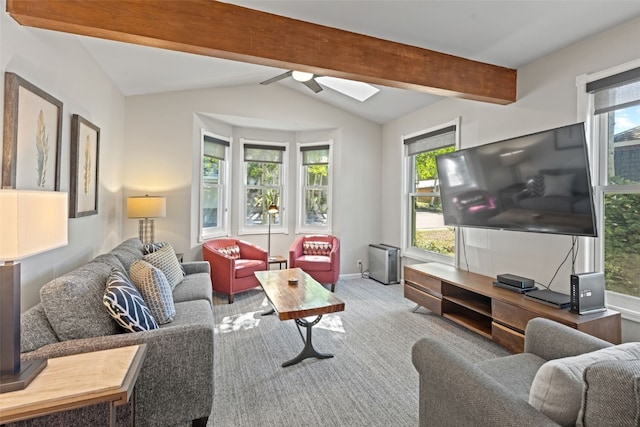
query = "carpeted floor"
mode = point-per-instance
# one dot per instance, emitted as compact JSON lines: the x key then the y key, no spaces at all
{"x":370,"y":381}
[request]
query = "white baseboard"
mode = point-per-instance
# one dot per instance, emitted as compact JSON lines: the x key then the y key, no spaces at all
{"x":350,"y":276}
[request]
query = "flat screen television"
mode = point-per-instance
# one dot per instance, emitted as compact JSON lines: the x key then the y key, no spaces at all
{"x":538,"y":183}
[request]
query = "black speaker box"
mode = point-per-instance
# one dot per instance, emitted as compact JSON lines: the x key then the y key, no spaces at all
{"x":516,"y":281}
{"x":587,"y":293}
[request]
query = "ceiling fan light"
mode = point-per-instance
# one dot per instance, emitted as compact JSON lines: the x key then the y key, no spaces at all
{"x":301,"y":76}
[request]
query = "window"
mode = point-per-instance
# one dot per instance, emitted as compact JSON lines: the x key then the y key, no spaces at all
{"x":616,"y":139}
{"x":214,"y":194}
{"x":425,"y":235}
{"x":264,"y":184}
{"x":314,"y":189}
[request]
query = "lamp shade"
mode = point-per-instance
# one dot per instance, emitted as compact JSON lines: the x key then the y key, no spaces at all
{"x":273,"y":209}
{"x":32,"y":222}
{"x":146,"y":207}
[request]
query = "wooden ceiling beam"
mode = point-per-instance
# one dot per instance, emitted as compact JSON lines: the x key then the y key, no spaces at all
{"x":227,"y":31}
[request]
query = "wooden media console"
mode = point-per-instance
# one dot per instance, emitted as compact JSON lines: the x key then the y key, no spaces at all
{"x":471,"y":300}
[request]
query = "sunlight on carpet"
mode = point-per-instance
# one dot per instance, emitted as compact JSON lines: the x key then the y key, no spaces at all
{"x":370,"y":381}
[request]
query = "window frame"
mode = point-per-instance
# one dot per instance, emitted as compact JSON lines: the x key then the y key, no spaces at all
{"x":627,"y":305}
{"x":302,"y":228}
{"x":281,"y":228}
{"x":408,"y":174}
{"x":224,"y":179}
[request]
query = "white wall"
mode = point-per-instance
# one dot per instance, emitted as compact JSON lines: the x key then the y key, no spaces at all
{"x":547,"y":98}
{"x":63,"y":68}
{"x":154,"y":150}
{"x":162,"y":147}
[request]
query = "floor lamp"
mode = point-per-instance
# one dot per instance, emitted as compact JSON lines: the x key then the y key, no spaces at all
{"x":146,"y":208}
{"x":31,"y":222}
{"x":273,"y":209}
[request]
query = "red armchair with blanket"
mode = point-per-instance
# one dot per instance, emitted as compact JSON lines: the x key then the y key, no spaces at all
{"x":233,"y":263}
{"x":318,"y":256}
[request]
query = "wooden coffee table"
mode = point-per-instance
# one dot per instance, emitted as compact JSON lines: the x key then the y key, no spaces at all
{"x":295,"y":302}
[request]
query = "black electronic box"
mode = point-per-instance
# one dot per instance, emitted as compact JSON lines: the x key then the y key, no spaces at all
{"x":516,"y":281}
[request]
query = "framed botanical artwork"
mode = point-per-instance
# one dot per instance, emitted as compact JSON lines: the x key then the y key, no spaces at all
{"x":85,"y":159}
{"x":31,"y":137}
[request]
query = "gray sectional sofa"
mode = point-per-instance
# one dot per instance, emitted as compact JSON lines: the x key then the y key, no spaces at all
{"x":564,"y":378}
{"x":175,"y":385}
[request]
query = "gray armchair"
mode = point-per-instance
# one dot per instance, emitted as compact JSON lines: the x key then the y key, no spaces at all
{"x":455,"y":392}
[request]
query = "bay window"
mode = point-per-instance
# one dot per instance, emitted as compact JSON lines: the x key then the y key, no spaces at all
{"x":264,"y":173}
{"x":214,"y":179}
{"x":314,"y":188}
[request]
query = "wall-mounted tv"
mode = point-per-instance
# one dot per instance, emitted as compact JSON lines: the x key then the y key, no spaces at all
{"x":538,"y":182}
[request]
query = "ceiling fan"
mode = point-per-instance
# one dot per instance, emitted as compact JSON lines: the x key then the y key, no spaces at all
{"x":356,"y":90}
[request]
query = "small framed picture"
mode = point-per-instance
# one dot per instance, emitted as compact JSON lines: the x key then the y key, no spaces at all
{"x":31,"y":137}
{"x":85,"y":159}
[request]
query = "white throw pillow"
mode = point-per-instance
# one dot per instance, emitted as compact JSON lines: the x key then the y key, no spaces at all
{"x":556,"y":390}
{"x":165,"y":259}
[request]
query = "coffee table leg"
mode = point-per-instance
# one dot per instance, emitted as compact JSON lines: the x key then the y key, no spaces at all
{"x":308,"y":350}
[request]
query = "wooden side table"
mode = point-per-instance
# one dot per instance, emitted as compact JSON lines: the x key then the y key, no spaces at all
{"x":278,"y":259}
{"x":75,"y":381}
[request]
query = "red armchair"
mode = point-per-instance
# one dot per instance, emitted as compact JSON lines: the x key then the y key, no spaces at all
{"x":233,"y":263}
{"x":318,"y":256}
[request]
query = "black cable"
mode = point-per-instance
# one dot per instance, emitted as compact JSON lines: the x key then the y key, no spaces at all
{"x":563,"y":261}
{"x":543,"y":285}
{"x":464,"y":249}
{"x":575,"y":244}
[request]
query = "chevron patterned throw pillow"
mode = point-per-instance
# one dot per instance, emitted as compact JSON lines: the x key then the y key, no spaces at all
{"x":310,"y":247}
{"x":125,"y":304}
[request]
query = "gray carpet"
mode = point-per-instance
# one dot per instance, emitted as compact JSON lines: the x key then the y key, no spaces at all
{"x":370,"y":381}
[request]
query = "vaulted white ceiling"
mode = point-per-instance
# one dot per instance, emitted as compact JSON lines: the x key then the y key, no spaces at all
{"x":507,"y":33}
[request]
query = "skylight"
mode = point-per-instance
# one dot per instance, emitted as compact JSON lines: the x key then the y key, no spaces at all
{"x":357,"y":90}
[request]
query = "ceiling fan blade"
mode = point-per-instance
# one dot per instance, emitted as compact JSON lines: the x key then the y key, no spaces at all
{"x":276,"y":78}
{"x":313,"y":85}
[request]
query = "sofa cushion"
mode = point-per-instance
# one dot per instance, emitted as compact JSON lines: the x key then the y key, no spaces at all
{"x":193,"y":287}
{"x":314,"y":263}
{"x":155,"y":290}
{"x":110,"y":259}
{"x":73,"y":303}
{"x":232,"y":251}
{"x":189,"y":313}
{"x":165,"y":259}
{"x":312,"y":247}
{"x":35,"y":329}
{"x":611,"y":394}
{"x":246,"y":267}
{"x":557,"y":387}
{"x":125,"y":304}
{"x":128,"y":251}
{"x":516,"y":372}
